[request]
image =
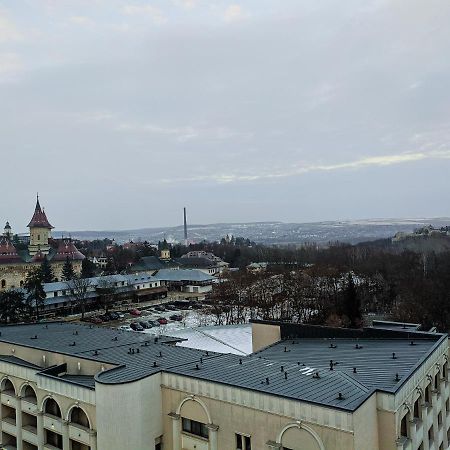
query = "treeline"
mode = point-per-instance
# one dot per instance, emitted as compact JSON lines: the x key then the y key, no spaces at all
{"x":313,"y":286}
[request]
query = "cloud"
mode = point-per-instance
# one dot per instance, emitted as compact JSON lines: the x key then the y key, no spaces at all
{"x":153,"y":12}
{"x":299,"y":169}
{"x":183,"y":133}
{"x":8,"y":30}
{"x":233,"y":13}
{"x":82,"y":21}
{"x":10,"y":65}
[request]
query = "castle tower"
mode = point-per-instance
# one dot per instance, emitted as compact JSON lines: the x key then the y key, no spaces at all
{"x":7,"y":232}
{"x":40,"y":230}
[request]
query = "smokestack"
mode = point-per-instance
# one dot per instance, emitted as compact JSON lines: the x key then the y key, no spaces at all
{"x":185,"y":227}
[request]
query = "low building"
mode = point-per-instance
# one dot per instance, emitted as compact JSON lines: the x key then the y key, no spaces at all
{"x":61,"y":295}
{"x":69,"y":386}
{"x":186,"y":280}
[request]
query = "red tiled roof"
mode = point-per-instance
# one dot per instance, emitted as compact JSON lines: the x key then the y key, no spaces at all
{"x":8,"y":253}
{"x":67,"y":249}
{"x":39,"y":218}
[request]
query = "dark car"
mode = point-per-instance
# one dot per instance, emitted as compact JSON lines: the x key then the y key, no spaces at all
{"x":154,"y":323}
{"x":136,"y":326}
{"x":176,"y":317}
{"x":162,"y":321}
{"x":114,"y":315}
{"x":145,"y":324}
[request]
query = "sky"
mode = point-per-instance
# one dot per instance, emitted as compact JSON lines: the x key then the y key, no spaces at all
{"x":120,"y":113}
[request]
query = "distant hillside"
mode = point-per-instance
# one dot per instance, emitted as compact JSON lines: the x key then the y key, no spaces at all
{"x":418,"y":244}
{"x":272,"y":232}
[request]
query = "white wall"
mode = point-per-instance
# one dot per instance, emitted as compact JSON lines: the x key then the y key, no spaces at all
{"x":129,"y":416}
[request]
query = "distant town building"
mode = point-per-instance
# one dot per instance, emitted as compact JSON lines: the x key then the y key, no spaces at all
{"x":16,"y":263}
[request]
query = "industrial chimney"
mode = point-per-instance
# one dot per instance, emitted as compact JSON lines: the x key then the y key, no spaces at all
{"x":185,"y":227}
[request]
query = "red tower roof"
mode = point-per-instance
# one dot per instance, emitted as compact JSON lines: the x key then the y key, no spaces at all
{"x":67,"y":249}
{"x":39,"y":218}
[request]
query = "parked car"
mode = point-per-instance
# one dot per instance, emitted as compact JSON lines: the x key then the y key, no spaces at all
{"x":121,"y":315}
{"x":124,"y":328}
{"x":144,"y":324}
{"x":176,"y":317}
{"x":93,"y":319}
{"x":171,"y":307}
{"x":114,"y":315}
{"x":162,"y":321}
{"x":159,"y":308}
{"x":136,"y":326}
{"x":154,"y":323}
{"x":135,"y":312}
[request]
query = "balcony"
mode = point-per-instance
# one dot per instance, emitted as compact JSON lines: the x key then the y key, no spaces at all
{"x":79,"y":433}
{"x":29,"y":405}
{"x":9,"y":425}
{"x":53,"y":423}
{"x":403,"y":443}
{"x":9,"y":398}
{"x":29,"y":434}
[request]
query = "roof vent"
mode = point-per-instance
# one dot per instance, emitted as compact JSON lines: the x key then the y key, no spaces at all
{"x":114,"y":338}
{"x":397,"y":378}
{"x":73,"y":344}
{"x":95,"y":353}
{"x":34,"y":337}
{"x":75,"y":333}
{"x":286,"y":349}
{"x":358,"y":347}
{"x":160,"y":354}
{"x":331,"y":364}
{"x":285,"y":375}
{"x":155,"y":364}
{"x":412,"y":343}
{"x":267,"y":380}
{"x":137,"y":350}
{"x":316,"y":375}
{"x":333,"y":345}
{"x":282,"y":368}
{"x":197,"y":367}
{"x":201,"y":360}
{"x":393,"y":356}
{"x":207,"y":353}
{"x":340,"y":396}
{"x":240,"y":361}
{"x":354,"y":369}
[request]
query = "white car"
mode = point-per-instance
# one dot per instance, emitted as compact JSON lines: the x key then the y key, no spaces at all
{"x":124,"y":328}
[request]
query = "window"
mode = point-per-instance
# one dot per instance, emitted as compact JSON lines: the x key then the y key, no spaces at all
{"x":417,"y":408}
{"x":3,"y":283}
{"x":194,"y":427}
{"x":428,"y":394}
{"x":440,"y":418}
{"x":430,"y":433}
{"x":243,"y":442}
{"x":447,"y":406}
{"x":404,"y":426}
{"x":444,"y":371}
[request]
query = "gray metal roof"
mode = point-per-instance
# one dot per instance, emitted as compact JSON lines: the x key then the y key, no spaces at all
{"x":137,"y":355}
{"x":183,"y":275}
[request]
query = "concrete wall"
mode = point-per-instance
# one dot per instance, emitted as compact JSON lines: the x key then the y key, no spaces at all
{"x":365,"y":422}
{"x":129,"y":415}
{"x":264,"y":335}
{"x":261,"y":425}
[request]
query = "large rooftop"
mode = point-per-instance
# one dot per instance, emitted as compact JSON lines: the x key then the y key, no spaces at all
{"x":297,"y":367}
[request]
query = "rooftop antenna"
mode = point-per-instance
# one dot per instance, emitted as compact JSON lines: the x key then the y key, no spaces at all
{"x":185,"y":227}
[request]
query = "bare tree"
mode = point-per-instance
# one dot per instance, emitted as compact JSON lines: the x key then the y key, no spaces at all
{"x":79,"y":288}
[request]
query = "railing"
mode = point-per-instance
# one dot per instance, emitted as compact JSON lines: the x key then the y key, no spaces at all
{"x":79,"y":433}
{"x":53,"y":423}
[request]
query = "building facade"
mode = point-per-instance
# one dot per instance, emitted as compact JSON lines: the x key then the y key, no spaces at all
{"x":15,"y":264}
{"x":78,"y":387}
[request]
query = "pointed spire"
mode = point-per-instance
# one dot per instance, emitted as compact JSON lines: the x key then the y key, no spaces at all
{"x":39,"y":218}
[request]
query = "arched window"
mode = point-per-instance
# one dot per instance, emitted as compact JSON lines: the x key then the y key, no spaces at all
{"x":79,"y":417}
{"x":404,"y":429}
{"x":3,"y":284}
{"x":8,"y":387}
{"x":29,"y":394}
{"x":52,"y":408}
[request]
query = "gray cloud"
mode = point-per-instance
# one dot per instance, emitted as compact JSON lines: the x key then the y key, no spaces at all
{"x":237,"y":109}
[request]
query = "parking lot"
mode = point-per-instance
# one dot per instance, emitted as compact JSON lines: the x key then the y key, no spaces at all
{"x":158,"y":318}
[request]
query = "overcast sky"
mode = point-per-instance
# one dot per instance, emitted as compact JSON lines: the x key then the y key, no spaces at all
{"x":122,"y":112}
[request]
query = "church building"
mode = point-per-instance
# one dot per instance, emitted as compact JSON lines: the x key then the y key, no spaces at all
{"x":16,"y":262}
